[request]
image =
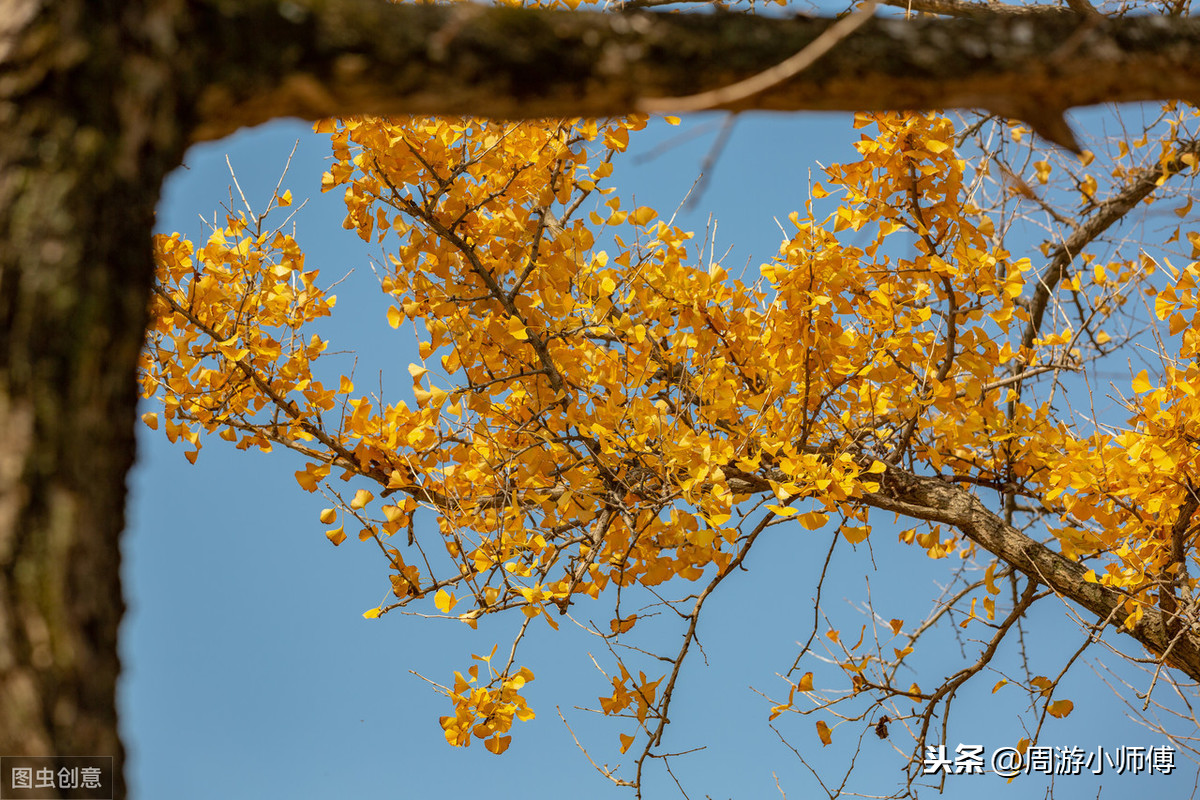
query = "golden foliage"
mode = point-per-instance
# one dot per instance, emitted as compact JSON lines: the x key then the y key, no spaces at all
{"x":588,"y":419}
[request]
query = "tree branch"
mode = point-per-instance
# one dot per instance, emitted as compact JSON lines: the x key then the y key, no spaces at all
{"x":937,"y":500}
{"x":316,"y":59}
{"x":1106,"y":214}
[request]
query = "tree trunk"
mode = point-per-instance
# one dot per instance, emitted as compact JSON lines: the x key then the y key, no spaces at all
{"x":90,"y":130}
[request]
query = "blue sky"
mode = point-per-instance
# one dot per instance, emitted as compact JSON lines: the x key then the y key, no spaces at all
{"x":250,"y":672}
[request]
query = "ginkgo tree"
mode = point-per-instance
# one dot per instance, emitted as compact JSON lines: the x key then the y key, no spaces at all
{"x":604,"y":417}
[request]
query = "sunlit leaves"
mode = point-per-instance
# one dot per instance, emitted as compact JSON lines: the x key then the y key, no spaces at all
{"x":486,"y":711}
{"x":1060,"y":708}
{"x":602,"y":411}
{"x":443,"y":601}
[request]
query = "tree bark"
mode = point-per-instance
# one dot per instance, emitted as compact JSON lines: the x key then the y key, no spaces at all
{"x":98,"y":99}
{"x":939,"y":500}
{"x":91,"y":127}
{"x":325,"y":59}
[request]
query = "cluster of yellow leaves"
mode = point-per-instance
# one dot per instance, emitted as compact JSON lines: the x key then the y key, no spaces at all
{"x":486,"y":712}
{"x":627,"y":692}
{"x":1123,"y":491}
{"x":226,"y":350}
{"x":897,"y":352}
{"x":593,"y":408}
{"x":563,"y":406}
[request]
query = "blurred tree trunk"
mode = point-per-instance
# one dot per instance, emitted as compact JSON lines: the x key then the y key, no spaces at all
{"x":90,"y":130}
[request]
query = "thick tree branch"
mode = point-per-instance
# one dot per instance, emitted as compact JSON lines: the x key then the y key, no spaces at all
{"x":968,"y":8}
{"x":325,"y":58}
{"x":938,"y":500}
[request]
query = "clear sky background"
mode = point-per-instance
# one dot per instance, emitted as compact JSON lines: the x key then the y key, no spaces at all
{"x":250,"y":672}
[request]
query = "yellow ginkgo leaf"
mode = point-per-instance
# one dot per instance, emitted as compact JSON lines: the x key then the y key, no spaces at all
{"x":498,"y":744}
{"x":336,"y":535}
{"x":1060,"y":708}
{"x":361,"y":498}
{"x":642,"y":215}
{"x":626,"y":741}
{"x":444,"y":601}
{"x":516,"y":328}
{"x":813,"y":520}
{"x":372,"y":613}
{"x":854,"y":534}
{"x":824,"y":732}
{"x":310,"y":476}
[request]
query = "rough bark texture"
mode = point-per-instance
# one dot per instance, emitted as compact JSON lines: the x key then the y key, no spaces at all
{"x":90,"y":129}
{"x":505,"y":62}
{"x":97,"y":99}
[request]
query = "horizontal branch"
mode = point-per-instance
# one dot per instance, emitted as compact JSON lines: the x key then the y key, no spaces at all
{"x":336,"y":58}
